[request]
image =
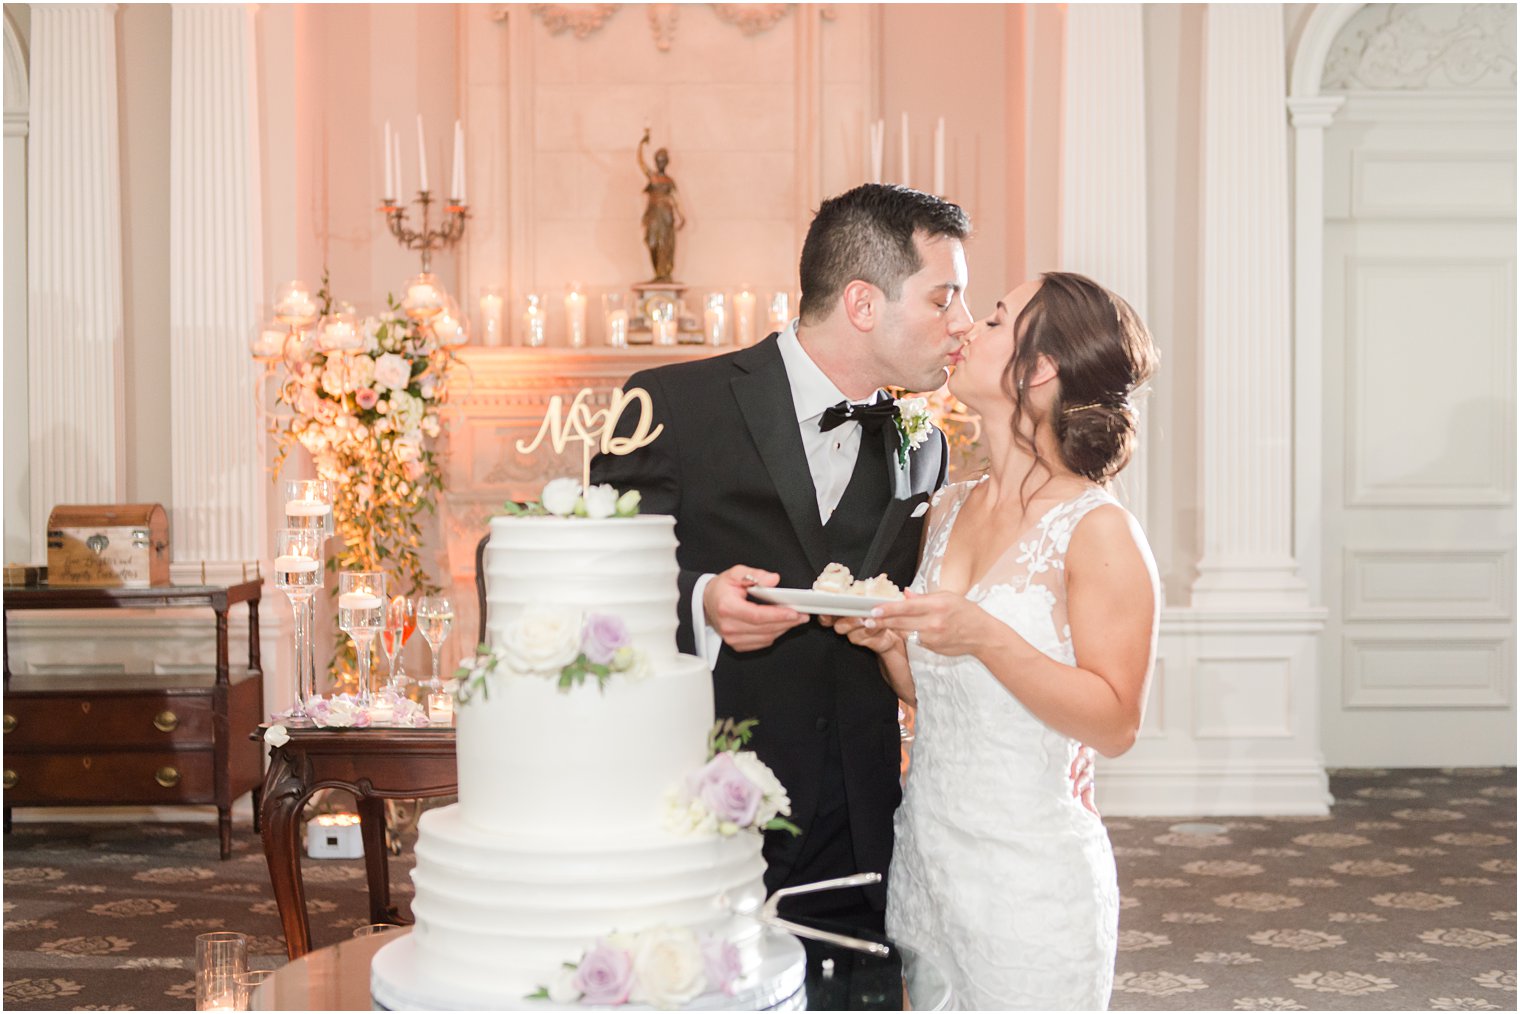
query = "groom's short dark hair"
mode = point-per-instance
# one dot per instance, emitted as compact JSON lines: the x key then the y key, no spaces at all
{"x":867,"y":234}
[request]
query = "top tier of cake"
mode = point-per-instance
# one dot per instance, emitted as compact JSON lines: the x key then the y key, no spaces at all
{"x":622,"y":566}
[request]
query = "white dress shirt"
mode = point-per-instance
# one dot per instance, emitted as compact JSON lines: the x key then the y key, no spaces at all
{"x":831,"y":456}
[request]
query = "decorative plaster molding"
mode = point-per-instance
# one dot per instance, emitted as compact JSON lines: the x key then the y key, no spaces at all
{"x":585,"y":19}
{"x":582,"y":19}
{"x":752,"y":19}
{"x":1425,"y":46}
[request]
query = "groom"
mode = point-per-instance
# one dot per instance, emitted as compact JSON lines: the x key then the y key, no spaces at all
{"x":781,"y":458}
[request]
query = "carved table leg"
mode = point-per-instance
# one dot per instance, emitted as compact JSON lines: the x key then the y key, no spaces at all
{"x":224,"y":829}
{"x":376,"y":859}
{"x":285,"y":795}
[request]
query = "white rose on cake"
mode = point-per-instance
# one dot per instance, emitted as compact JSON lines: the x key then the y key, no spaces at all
{"x":560,"y":496}
{"x":668,"y":969}
{"x":601,"y":501}
{"x":542,"y":640}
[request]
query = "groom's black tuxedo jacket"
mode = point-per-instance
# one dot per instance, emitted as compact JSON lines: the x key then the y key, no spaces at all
{"x":731,"y":468}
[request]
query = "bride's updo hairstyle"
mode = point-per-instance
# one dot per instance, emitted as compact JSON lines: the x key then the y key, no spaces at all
{"x":1102,"y":352}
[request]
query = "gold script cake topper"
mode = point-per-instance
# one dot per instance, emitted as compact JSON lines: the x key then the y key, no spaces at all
{"x":594,"y":429}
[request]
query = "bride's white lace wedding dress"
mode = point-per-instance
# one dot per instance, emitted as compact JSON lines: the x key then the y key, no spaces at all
{"x":998,"y":873}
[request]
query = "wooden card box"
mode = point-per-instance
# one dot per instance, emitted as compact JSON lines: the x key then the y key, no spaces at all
{"x":108,"y":546}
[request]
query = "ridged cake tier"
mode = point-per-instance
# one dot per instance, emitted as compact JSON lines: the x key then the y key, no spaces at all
{"x":584,"y":765}
{"x":623,"y":566}
{"x":510,"y":910}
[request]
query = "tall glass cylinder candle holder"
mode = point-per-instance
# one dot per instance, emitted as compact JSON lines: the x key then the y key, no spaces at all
{"x":744,"y":317}
{"x":615,"y":317}
{"x":361,"y":615}
{"x":715,"y":319}
{"x":491,"y":305}
{"x":535,"y":321}
{"x":780,"y":314}
{"x":219,"y":959}
{"x":309,"y":506}
{"x":298,"y":573}
{"x":575,"y":316}
{"x":662,"y":321}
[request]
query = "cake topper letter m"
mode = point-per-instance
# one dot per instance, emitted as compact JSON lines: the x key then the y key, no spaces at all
{"x":594,"y":430}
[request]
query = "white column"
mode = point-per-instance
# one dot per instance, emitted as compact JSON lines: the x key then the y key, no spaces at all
{"x":1246,"y":359}
{"x":216,"y":290}
{"x":74,"y":301}
{"x":1103,"y":180}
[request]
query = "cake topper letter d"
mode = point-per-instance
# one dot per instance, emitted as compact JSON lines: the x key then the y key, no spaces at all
{"x":594,"y":429}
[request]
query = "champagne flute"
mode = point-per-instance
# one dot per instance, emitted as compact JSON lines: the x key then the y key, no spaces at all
{"x":400,"y":621}
{"x":298,"y":573}
{"x":435,"y":617}
{"x":361,"y":615}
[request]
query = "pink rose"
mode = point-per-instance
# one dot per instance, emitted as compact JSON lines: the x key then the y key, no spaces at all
{"x":602,"y":636}
{"x":722,"y":963}
{"x":605,"y":975}
{"x":414,"y":470}
{"x":365,"y":398}
{"x":726,"y":793}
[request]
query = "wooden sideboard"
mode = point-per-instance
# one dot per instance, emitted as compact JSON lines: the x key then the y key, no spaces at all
{"x":137,"y":739}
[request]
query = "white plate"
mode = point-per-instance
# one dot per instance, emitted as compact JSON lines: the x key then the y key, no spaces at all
{"x":805,"y":600}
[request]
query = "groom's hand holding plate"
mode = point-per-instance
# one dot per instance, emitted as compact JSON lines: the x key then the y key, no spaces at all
{"x":743,"y":624}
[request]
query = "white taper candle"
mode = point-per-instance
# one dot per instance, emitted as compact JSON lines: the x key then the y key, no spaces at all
{"x":422,"y":182}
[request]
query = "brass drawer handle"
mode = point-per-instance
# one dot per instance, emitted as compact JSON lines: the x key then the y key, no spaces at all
{"x":10,"y":779}
{"x":167,"y":777}
{"x":10,"y":723}
{"x":166,"y":721}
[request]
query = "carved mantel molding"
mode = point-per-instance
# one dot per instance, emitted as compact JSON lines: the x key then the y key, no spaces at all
{"x":585,"y":19}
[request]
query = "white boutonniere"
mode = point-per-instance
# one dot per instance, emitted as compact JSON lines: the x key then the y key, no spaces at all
{"x":913,"y":426}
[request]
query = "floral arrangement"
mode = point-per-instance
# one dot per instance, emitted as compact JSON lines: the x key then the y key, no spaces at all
{"x":559,"y":643}
{"x":733,"y":791}
{"x":661,"y":967}
{"x":567,"y":498}
{"x":366,"y":413}
{"x":343,"y":711}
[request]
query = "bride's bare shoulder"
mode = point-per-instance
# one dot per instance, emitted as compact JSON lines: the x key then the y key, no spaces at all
{"x":1109,"y":540}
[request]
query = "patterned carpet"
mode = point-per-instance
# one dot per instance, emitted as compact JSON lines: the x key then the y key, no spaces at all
{"x":1402,"y":899}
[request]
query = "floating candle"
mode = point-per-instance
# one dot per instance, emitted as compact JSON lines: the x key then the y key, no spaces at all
{"x":296,"y":564}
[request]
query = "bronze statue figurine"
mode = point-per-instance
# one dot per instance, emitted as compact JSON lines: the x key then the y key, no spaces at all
{"x":662,"y":216}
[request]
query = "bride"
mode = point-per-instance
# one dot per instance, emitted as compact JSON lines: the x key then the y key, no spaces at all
{"x":1029,"y":630}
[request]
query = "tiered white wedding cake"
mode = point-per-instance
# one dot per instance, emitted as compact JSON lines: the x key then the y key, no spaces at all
{"x":591,"y":829}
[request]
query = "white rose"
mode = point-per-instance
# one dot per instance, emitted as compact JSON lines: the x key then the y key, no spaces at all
{"x":406,"y":410}
{"x":773,"y":797}
{"x":332,"y":378}
{"x":277,"y":735}
{"x":392,"y":371}
{"x":430,"y":425}
{"x":361,"y":371}
{"x":562,"y":989}
{"x":406,"y":450}
{"x":427,"y":385}
{"x":668,"y":970}
{"x":601,"y":501}
{"x":542,"y":640}
{"x":559,"y":496}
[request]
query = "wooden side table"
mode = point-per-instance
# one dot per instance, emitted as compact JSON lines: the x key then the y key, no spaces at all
{"x":375,"y":764}
{"x":136,"y":739}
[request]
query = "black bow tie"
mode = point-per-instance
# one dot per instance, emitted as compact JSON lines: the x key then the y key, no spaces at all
{"x":871,"y":417}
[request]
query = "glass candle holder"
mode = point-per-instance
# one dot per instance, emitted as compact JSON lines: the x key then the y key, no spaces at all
{"x":715,"y":319}
{"x":424,"y":297}
{"x":247,"y":982}
{"x":361,"y":615}
{"x":575,"y":316}
{"x":219,"y":959}
{"x":298,"y":573}
{"x":440,"y":706}
{"x":535,"y":321}
{"x":448,"y":325}
{"x":375,"y":929}
{"x":294,"y":305}
{"x":744,"y":317}
{"x":662,"y":321}
{"x":491,"y":306}
{"x":780,"y":314}
{"x":615,"y":315}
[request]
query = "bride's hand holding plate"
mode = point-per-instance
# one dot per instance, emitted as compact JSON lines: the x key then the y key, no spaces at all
{"x":879,"y":640}
{"x":943,"y":622}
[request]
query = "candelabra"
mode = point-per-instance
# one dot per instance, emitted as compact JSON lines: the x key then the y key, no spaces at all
{"x":426,"y":239}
